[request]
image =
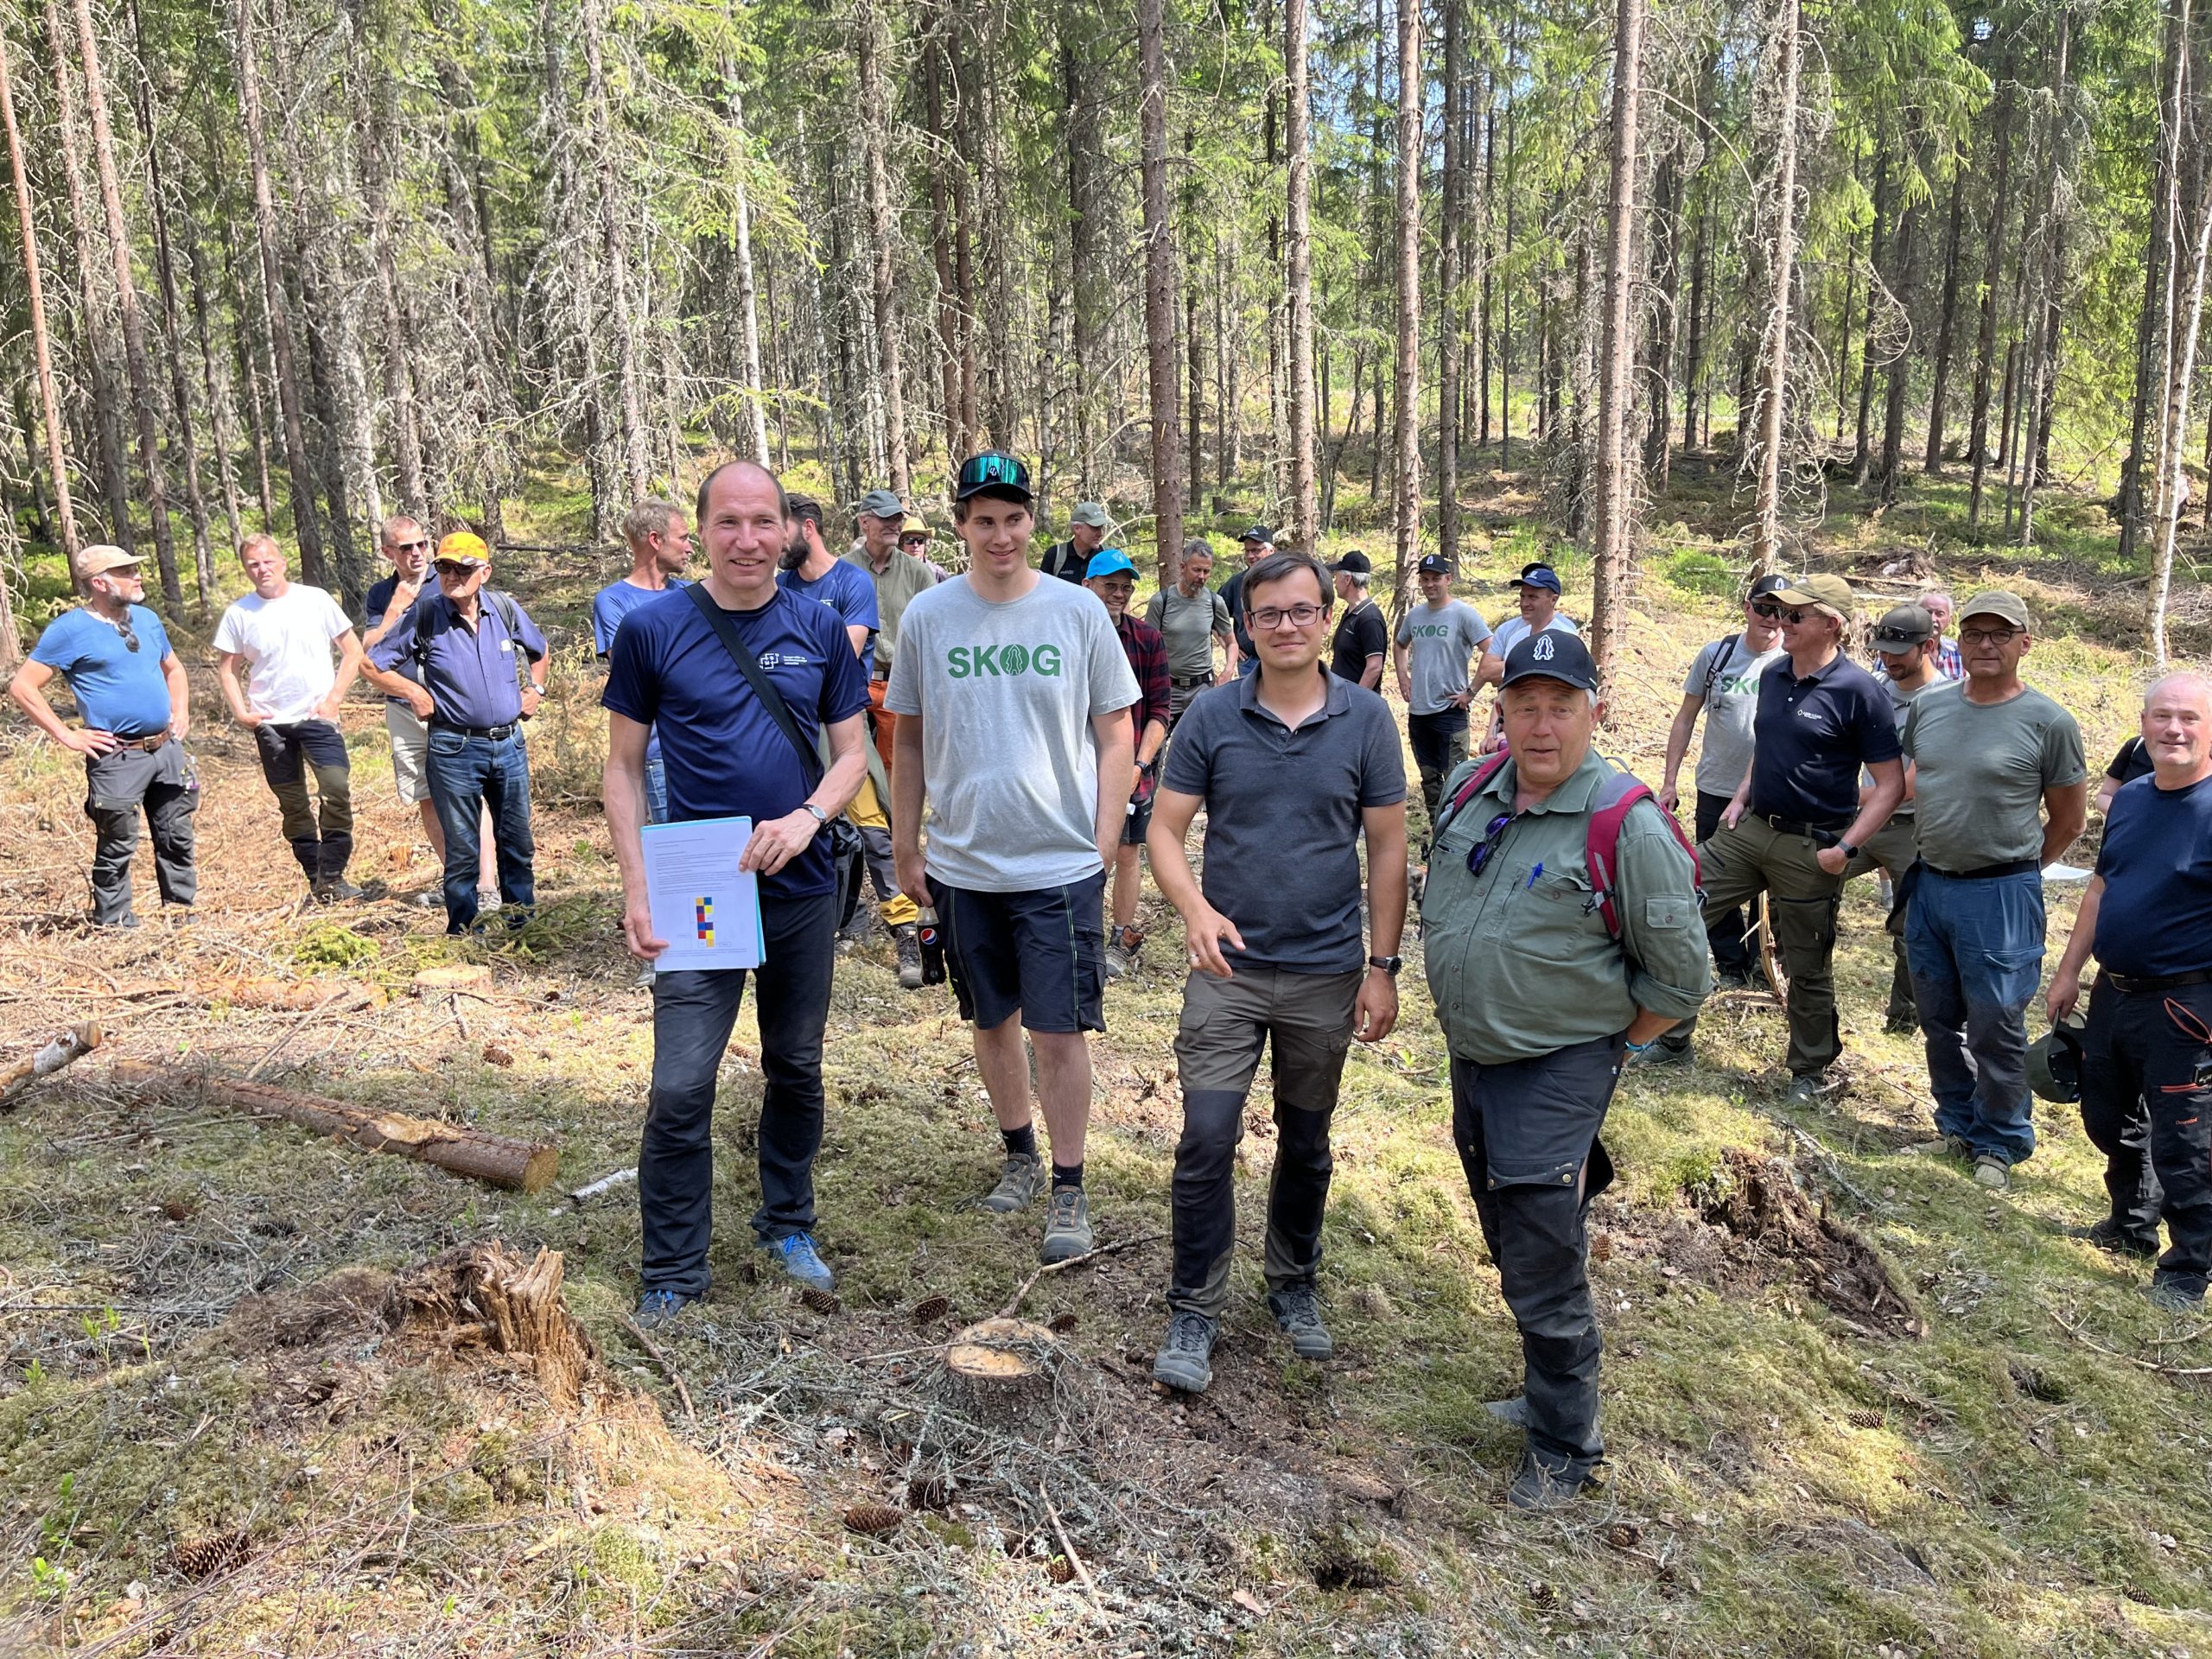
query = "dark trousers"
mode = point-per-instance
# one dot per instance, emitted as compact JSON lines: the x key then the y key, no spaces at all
{"x":1528,"y":1138}
{"x":465,"y":775}
{"x":287,"y":753}
{"x":118,"y":787}
{"x":693,"y":1014}
{"x":1976,"y":949}
{"x":2147,"y":1101}
{"x":1225,"y":1023}
{"x":1802,"y":900}
{"x":1728,"y":931}
{"x":1440,"y":744}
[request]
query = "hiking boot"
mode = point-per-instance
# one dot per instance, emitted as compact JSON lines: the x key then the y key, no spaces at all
{"x":487,"y":900}
{"x":1019,"y":1183}
{"x":906,"y":940}
{"x":1067,"y":1226}
{"x":2110,"y":1237}
{"x":1901,"y":1022}
{"x":1992,"y":1171}
{"x":1186,"y":1359}
{"x":857,"y":927}
{"x":657,"y":1309}
{"x":2177,"y":1293}
{"x":1644,"y":1060}
{"x":795,"y":1254}
{"x":429,"y":898}
{"x":1945,"y":1146}
{"x":1297,"y":1309}
{"x":1513,"y":1413}
{"x":1538,"y":1488}
{"x":335,"y":890}
{"x":1808,"y":1086}
{"x":1121,"y":947}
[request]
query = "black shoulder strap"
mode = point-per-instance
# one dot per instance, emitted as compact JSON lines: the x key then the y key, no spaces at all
{"x":763,"y":687}
{"x":1727,"y":649}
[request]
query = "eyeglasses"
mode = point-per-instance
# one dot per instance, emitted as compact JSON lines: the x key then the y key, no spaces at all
{"x":1988,"y":636}
{"x":1271,"y":618}
{"x":1772,"y":612}
{"x":1479,"y":854}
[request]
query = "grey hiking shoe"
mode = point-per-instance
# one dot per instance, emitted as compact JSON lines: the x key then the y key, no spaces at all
{"x":1538,"y":1488}
{"x":1186,"y":1359}
{"x":1067,"y":1225}
{"x":1122,"y":944}
{"x":1992,"y":1171}
{"x":1808,"y":1086}
{"x":1297,"y":1309}
{"x":1513,"y":1413}
{"x":1946,"y":1146}
{"x":1659,"y":1054}
{"x":1019,"y":1183}
{"x":2175,"y":1292}
{"x":906,"y":941}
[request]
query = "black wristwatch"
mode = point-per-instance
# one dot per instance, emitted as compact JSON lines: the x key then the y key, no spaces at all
{"x":1387,"y":964}
{"x":1848,"y":851}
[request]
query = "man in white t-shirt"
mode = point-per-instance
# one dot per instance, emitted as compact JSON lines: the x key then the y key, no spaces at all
{"x":283,"y":632}
{"x":1538,"y":589}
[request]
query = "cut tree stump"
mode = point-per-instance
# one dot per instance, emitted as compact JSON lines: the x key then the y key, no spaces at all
{"x":487,"y":1293}
{"x":1001,"y":1369}
{"x":73,"y":1044}
{"x":461,"y":976}
{"x":498,"y":1160}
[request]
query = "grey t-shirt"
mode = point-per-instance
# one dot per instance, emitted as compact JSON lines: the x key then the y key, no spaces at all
{"x":1730,"y":705}
{"x":1006,"y":692}
{"x":1440,"y":644}
{"x":1190,"y":626}
{"x":1282,"y":816}
{"x":1980,"y":771}
{"x":1902,"y":701}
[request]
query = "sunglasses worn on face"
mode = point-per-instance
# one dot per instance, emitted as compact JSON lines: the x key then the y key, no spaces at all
{"x":1299,"y":616}
{"x":411,"y":546}
{"x":453,"y":567}
{"x":1772,"y":612}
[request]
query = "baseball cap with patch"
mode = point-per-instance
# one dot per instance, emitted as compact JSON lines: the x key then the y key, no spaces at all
{"x":1823,"y":589}
{"x":1259,"y":533}
{"x":1354,"y":563}
{"x":100,"y":558}
{"x":1538,"y":575}
{"x":1434,"y":564}
{"x":1107,"y":562}
{"x":881,"y":504}
{"x":1092,"y":513}
{"x":994,"y":472}
{"x":1766,"y":585}
{"x":1996,"y":602}
{"x":464,"y":547}
{"x":1902,"y":628}
{"x":1553,"y":654}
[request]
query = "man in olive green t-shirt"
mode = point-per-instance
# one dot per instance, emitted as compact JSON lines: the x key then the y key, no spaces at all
{"x":2000,"y":790}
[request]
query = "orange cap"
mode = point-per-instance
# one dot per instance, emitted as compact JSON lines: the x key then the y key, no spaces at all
{"x":465,"y":545}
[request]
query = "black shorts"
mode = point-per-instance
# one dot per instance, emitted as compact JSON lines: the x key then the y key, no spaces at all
{"x":1040,"y":954}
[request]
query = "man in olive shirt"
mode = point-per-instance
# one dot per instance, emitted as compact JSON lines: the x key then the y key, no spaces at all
{"x":1192,"y":617}
{"x":2001,"y":789}
{"x":1540,"y":1001}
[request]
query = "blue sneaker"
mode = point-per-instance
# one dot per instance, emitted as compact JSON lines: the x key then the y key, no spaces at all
{"x":796,"y":1254}
{"x":657,"y":1309}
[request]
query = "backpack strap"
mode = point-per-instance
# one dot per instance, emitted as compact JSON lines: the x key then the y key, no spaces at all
{"x":1609,"y":810}
{"x":1486,"y":769}
{"x":1713,"y":669}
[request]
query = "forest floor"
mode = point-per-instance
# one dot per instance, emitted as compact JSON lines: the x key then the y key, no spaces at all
{"x":1936,"y":1422}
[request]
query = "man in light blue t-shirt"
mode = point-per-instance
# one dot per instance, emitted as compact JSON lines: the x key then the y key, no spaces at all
{"x":660,"y":547}
{"x":136,"y":706}
{"x":1436,"y":641}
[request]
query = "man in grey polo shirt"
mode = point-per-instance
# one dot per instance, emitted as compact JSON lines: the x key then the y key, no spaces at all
{"x":1289,"y":758}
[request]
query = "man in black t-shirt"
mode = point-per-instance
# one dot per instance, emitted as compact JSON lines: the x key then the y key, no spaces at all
{"x":1256,"y":543}
{"x":1363,"y":638}
{"x":2132,"y":761}
{"x":1071,"y":560}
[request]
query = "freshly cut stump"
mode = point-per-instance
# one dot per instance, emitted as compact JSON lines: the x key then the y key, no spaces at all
{"x":1001,"y":1369}
{"x":459,"y":976}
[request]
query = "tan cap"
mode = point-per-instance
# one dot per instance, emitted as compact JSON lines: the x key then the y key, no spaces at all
{"x":99,"y":558}
{"x":1831,"y":591}
{"x":913,"y":526}
{"x":1996,"y":602}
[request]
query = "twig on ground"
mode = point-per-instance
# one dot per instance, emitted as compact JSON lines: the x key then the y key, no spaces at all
{"x":662,"y":1360}
{"x":1008,"y":1311}
{"x":279,"y":1046}
{"x":452,"y":1006}
{"x":2163,"y":1370}
{"x":1067,"y":1549}
{"x":591,"y":1190}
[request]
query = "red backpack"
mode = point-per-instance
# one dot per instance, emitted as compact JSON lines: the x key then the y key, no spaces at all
{"x":1601,"y":847}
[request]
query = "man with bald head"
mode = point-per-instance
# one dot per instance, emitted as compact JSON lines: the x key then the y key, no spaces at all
{"x":2146,"y":1055}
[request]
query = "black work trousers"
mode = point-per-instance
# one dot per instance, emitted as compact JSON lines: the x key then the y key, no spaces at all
{"x":693,"y":1014}
{"x":1527,"y":1133}
{"x":120,"y":784}
{"x":2147,"y":1101}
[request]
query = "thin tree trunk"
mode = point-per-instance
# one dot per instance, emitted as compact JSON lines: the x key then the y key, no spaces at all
{"x":875,"y":112}
{"x":2049,"y":283}
{"x":217,"y":384}
{"x":1667,"y":193}
{"x":1766,"y":541}
{"x":1193,"y":368}
{"x":937,"y":73}
{"x":636,"y":465}
{"x":1447,"y":295}
{"x":1505,"y":307}
{"x":748,"y":304}
{"x":1406,"y":440}
{"x":963,"y":205}
{"x":1843,"y":345}
{"x":1993,"y":277}
{"x":1945,"y":325}
{"x":1081,"y":102}
{"x":1616,"y":509}
{"x":2175,"y":414}
{"x":42,"y":349}
{"x":1693,"y":348}
{"x":1159,"y":287}
{"x":1304,"y":494}
{"x":1907,"y":274}
{"x":1862,"y":452}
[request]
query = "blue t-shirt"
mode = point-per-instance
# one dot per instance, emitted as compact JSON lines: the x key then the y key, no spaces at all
{"x":846,"y":589}
{"x":614,"y":602}
{"x":1809,"y":738}
{"x":725,"y":756}
{"x":2155,"y":920}
{"x":118,"y":690}
{"x":471,"y":676}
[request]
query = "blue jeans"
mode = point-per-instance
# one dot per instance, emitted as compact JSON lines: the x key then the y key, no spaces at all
{"x":693,"y":1014}
{"x":656,"y":789}
{"x":1976,"y":951}
{"x":467,"y":773}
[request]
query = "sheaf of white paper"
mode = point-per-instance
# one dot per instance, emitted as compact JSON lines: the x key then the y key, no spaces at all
{"x":706,"y":908}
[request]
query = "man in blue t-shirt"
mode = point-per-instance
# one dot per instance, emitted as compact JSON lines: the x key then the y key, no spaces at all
{"x":137,"y":707}
{"x":727,"y":755}
{"x":660,"y":547}
{"x":2146,"y":1055}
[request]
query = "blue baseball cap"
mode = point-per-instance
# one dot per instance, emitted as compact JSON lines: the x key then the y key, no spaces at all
{"x":1536,"y":575}
{"x":1106,"y":561}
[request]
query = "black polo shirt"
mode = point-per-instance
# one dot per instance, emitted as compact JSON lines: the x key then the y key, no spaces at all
{"x":1811,"y":736}
{"x":1361,"y":633}
{"x":1282,"y":816}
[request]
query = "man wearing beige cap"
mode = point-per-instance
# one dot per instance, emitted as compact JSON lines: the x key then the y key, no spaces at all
{"x":137,"y":707}
{"x":1798,"y":822}
{"x":2001,"y":789}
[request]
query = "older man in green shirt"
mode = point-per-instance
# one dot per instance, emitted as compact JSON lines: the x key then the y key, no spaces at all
{"x":1539,"y":999}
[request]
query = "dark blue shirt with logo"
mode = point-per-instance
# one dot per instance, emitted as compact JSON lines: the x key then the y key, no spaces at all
{"x":2155,"y":919}
{"x":725,"y":755}
{"x":1811,"y":736}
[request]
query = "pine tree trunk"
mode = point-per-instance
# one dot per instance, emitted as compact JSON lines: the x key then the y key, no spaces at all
{"x":1862,"y":451}
{"x":937,"y":73}
{"x":1992,"y":279}
{"x":1766,"y":541}
{"x":1305,"y":493}
{"x":1159,"y":287}
{"x":1447,"y":295}
{"x":1614,"y":520}
{"x":1194,"y":368}
{"x":2049,"y":316}
{"x":1843,"y":345}
{"x":41,"y":348}
{"x":2181,"y":366}
{"x":875,"y":114}
{"x":1083,"y":213}
{"x":1906,"y":275}
{"x":1667,"y":192}
{"x":1505,"y":308}
{"x":616,"y":255}
{"x":1693,"y":348}
{"x":215,"y":378}
{"x":1946,"y":324}
{"x":963,"y":205}
{"x":1406,"y":440}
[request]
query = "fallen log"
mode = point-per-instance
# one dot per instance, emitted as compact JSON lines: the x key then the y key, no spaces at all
{"x":498,"y":1160}
{"x":72,"y":1044}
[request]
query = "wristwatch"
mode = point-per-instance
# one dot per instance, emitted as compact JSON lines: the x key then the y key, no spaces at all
{"x":1387,"y":964}
{"x":1848,"y":851}
{"x":820,"y":818}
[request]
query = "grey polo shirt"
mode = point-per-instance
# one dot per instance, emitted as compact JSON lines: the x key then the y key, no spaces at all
{"x":1282,"y":816}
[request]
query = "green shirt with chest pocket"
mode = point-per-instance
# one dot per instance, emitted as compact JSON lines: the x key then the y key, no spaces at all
{"x":1520,"y":961}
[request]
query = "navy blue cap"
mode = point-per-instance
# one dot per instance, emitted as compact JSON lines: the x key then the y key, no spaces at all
{"x":1355,"y":562}
{"x":1555,"y":654}
{"x":1434,"y":564}
{"x":1536,"y":575}
{"x":994,"y":472}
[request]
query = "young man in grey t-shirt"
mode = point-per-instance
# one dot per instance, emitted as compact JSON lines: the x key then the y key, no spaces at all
{"x":1438,"y":641}
{"x":1012,"y":692}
